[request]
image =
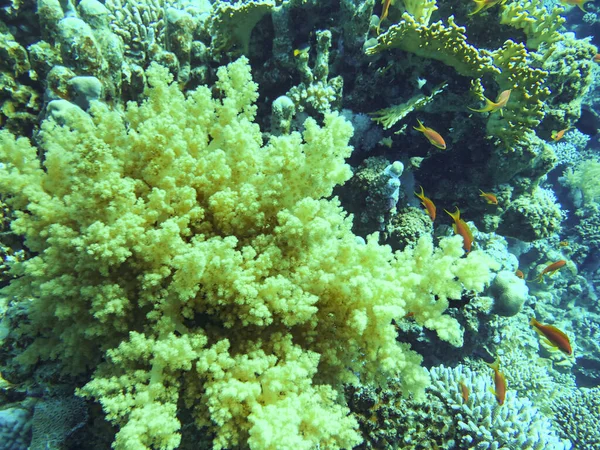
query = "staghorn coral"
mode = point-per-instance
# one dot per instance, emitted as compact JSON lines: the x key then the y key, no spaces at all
{"x":207,"y":271}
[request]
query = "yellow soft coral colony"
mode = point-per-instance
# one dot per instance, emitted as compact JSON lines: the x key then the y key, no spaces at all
{"x":195,"y":266}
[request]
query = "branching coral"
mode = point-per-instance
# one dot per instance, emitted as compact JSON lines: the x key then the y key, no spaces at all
{"x":528,"y":92}
{"x":578,"y":416}
{"x":445,"y":43}
{"x":533,"y":18}
{"x":207,"y":270}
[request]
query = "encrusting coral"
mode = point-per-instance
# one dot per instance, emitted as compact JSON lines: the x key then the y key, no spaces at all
{"x":189,"y":263}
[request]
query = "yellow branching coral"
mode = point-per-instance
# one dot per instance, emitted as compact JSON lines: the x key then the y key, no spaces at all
{"x":445,"y":43}
{"x":421,"y":10}
{"x":539,"y":25}
{"x":525,"y":110}
{"x":192,"y":265}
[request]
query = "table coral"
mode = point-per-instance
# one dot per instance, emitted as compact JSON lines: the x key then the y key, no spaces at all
{"x":193,"y":265}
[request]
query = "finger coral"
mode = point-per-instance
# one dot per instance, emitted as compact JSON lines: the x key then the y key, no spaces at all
{"x":193,"y":266}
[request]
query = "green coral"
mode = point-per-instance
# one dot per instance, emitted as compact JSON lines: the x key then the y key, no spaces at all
{"x":585,"y":177}
{"x":539,"y":25}
{"x":445,"y":43}
{"x":525,"y":110}
{"x":231,"y":24}
{"x":511,"y":67}
{"x":191,"y":265}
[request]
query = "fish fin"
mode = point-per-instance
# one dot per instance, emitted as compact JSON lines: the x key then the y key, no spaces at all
{"x":479,"y":5}
{"x":489,"y":106}
{"x":421,"y":127}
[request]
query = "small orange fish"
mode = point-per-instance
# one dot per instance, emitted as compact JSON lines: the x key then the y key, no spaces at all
{"x":432,"y":136}
{"x":384,"y":12}
{"x":551,"y":268}
{"x":464,"y":391}
{"x":489,"y":197}
{"x":491,"y":106}
{"x":482,"y":5}
{"x":461,"y":228}
{"x":519,"y":274}
{"x":596,"y":58}
{"x":558,"y":135}
{"x":427,"y":203}
{"x":579,"y":3}
{"x":563,"y":244}
{"x":499,"y":382}
{"x":555,"y":337}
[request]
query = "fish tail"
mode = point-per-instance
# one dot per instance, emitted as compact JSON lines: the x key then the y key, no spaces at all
{"x":489,"y":106}
{"x":421,"y":127}
{"x":495,"y":365}
{"x":479,"y":5}
{"x":422,"y":194}
{"x":454,"y":215}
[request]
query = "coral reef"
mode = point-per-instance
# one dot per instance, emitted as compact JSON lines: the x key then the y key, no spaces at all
{"x":155,"y":245}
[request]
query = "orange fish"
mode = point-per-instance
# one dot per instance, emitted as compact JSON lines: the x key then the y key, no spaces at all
{"x":596,"y":58}
{"x":464,"y":391}
{"x":579,"y":3}
{"x":482,"y":5}
{"x":491,"y":106}
{"x":558,"y":135}
{"x":519,"y":274}
{"x":555,"y":337}
{"x":433,"y":136}
{"x":427,"y":203}
{"x":499,"y":382}
{"x":384,"y":12}
{"x":563,"y":244}
{"x":551,"y":268}
{"x":489,"y":197}
{"x":461,"y":227}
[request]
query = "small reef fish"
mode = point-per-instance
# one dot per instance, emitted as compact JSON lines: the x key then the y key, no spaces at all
{"x":596,"y":58}
{"x":304,"y":48}
{"x":553,"y":336}
{"x":427,"y":203}
{"x":432,"y":136}
{"x":499,"y":382}
{"x":491,"y":106}
{"x":519,"y":274}
{"x":558,"y":135}
{"x":551,"y":268}
{"x":578,"y":3}
{"x":384,"y":12}
{"x":461,"y":228}
{"x":490,"y":198}
{"x":464,"y":391}
{"x":482,"y":5}
{"x":563,"y":244}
